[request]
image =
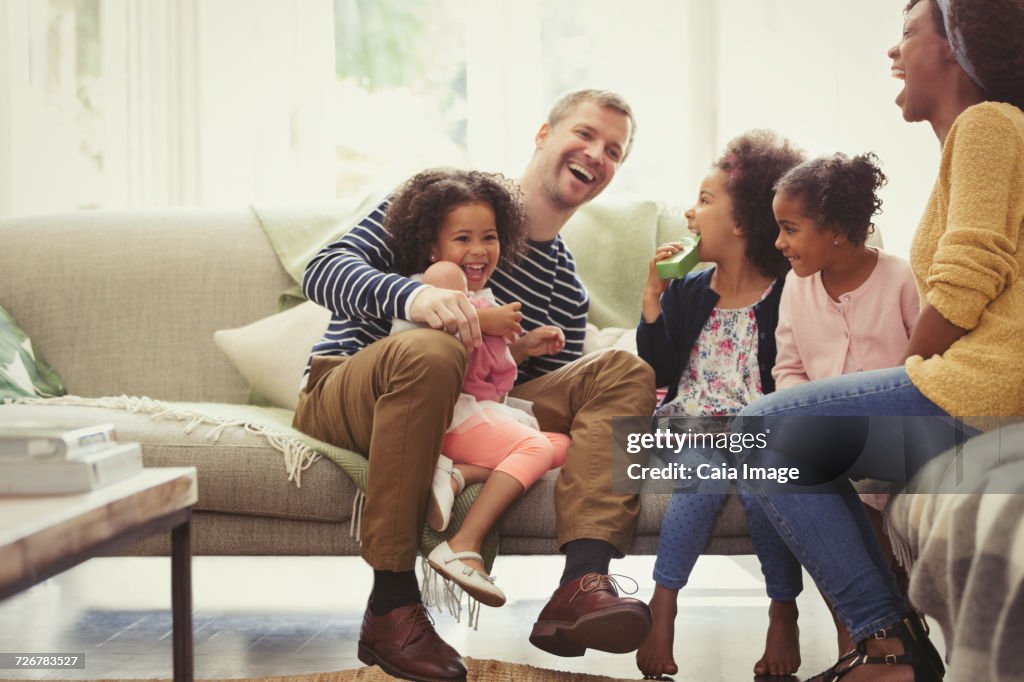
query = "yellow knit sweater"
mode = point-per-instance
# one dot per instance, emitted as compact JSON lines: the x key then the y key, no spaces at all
{"x":967,"y":259}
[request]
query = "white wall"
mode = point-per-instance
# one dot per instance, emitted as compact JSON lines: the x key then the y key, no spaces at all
{"x":699,"y":72}
{"x":817,"y":71}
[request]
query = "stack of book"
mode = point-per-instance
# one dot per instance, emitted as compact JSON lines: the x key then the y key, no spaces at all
{"x":40,"y":459}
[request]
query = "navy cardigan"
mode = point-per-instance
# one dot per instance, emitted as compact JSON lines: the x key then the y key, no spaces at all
{"x":686,"y":305}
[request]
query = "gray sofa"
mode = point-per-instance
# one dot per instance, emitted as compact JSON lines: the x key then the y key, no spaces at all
{"x":126,"y":303}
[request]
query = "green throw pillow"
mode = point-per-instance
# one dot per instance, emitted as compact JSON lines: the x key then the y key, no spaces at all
{"x":23,"y":373}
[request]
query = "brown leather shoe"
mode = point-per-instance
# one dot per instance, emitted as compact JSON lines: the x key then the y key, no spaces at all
{"x":588,"y":613}
{"x":404,"y":644}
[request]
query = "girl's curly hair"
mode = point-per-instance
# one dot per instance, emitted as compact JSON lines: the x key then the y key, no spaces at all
{"x":991,"y":31}
{"x":838,"y":193}
{"x":753,"y":163}
{"x":418,"y":209}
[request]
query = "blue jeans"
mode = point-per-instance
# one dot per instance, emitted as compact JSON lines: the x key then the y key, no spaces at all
{"x":690,"y":518}
{"x":829,"y":531}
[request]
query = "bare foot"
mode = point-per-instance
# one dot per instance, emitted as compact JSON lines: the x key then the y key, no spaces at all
{"x":458,"y":545}
{"x":654,"y":657}
{"x":782,"y":643}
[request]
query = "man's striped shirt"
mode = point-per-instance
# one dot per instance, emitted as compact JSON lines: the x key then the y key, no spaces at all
{"x":351,"y":278}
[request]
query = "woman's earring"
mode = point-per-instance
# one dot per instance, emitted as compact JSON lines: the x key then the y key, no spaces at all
{"x":433,"y":258}
{"x":835,"y":242}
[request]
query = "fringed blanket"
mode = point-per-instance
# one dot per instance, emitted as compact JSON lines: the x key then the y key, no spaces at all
{"x":298,"y":452}
{"x":966,"y":550}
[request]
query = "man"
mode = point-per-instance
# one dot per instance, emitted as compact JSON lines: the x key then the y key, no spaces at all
{"x":393,"y":396}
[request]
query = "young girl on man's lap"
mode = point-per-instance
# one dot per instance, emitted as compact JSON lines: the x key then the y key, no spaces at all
{"x":847,"y":307}
{"x":453,"y":227}
{"x":710,"y":338}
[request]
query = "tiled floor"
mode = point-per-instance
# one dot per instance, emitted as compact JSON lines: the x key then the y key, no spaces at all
{"x":259,"y":616}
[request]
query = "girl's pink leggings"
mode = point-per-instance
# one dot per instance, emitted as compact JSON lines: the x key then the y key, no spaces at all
{"x":504,"y":444}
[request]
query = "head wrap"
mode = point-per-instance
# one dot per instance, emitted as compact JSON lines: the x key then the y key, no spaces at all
{"x":956,"y":43}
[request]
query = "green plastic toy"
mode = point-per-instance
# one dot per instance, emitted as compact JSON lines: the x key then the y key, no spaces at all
{"x":678,"y":265}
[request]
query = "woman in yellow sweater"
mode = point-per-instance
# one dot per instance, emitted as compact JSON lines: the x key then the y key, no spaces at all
{"x":962,"y":64}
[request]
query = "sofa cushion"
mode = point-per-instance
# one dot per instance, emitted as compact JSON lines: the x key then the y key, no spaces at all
{"x":23,"y":371}
{"x":127,"y":301}
{"x":239,"y":473}
{"x":614,"y":275}
{"x":216,"y":534}
{"x":271,"y":353}
{"x":533,"y":514}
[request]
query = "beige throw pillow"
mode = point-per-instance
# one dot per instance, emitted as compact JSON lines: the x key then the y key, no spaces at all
{"x":271,"y":353}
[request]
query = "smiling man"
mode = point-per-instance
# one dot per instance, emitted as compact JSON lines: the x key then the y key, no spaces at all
{"x":392,"y":398}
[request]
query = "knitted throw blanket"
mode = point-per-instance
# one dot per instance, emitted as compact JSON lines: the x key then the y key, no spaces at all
{"x":966,"y":549}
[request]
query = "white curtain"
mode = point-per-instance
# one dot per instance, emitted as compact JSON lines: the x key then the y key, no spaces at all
{"x":198,"y":101}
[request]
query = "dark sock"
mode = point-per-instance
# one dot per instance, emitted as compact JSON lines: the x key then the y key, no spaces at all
{"x":586,"y":556}
{"x":391,"y":590}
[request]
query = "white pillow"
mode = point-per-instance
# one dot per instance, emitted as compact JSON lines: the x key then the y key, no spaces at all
{"x":609,"y":337}
{"x":271,"y":353}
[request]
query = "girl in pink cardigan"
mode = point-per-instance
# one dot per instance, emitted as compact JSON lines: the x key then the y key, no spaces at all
{"x":846,"y":307}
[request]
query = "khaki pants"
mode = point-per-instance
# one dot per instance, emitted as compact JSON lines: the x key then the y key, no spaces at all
{"x":394,"y":400}
{"x":580,"y":399}
{"x":391,"y":401}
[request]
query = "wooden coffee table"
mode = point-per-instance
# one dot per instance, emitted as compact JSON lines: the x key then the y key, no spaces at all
{"x":40,"y":536}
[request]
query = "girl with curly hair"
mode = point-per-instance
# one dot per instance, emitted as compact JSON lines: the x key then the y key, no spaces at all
{"x":824,"y":209}
{"x":454,"y":227}
{"x":710,"y":338}
{"x":961,"y":64}
{"x":847,"y":307}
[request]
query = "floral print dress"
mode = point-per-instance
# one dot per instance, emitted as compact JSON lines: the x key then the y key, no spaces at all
{"x":723,"y":375}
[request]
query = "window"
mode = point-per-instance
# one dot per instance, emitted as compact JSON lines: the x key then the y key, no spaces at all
{"x":124,"y":103}
{"x":400,"y":95}
{"x":56,"y":114}
{"x":74,"y":97}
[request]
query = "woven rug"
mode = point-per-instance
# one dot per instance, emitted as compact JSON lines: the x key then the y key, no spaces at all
{"x":483,"y":670}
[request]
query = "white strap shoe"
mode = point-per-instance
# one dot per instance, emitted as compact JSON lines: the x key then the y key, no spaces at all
{"x":439,"y":507}
{"x":476,"y":584}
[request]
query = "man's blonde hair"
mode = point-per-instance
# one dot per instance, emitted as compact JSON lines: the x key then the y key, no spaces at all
{"x":568,"y":102}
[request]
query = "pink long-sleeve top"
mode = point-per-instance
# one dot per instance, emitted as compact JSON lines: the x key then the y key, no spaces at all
{"x":491,"y":370}
{"x":867,"y":328}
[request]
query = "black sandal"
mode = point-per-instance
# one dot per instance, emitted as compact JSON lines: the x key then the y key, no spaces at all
{"x":920,"y":628}
{"x":918,"y":653}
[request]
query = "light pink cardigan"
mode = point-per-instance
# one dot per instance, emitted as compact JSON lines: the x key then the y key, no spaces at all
{"x":867,"y":329}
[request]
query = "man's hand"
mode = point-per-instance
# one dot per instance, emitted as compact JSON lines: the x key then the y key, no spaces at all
{"x":502,"y":321}
{"x":546,"y":340}
{"x":448,"y":311}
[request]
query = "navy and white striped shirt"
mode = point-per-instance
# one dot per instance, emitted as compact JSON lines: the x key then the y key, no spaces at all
{"x":351,"y":278}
